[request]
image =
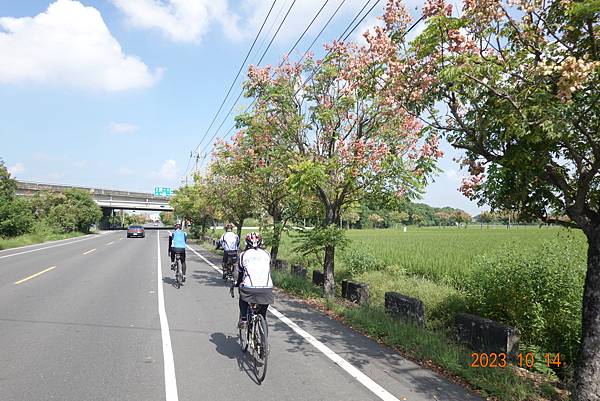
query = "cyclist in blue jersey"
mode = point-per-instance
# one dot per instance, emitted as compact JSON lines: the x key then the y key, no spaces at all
{"x":177,"y":244}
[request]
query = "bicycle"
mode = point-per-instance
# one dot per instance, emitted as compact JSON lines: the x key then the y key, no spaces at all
{"x":255,"y":335}
{"x":178,"y":273}
{"x":229,"y":274}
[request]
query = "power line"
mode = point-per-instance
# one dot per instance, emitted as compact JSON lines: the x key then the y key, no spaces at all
{"x":340,"y":37}
{"x":322,"y":30}
{"x":276,"y":32}
{"x":238,"y":74}
{"x":308,"y":27}
{"x":259,"y":61}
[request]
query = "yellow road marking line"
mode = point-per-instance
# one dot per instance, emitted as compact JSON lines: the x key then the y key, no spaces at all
{"x":90,"y":251}
{"x":110,"y":243}
{"x":35,"y":275}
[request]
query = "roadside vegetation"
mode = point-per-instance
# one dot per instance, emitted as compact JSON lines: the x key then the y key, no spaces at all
{"x":352,"y":139}
{"x":43,"y":217}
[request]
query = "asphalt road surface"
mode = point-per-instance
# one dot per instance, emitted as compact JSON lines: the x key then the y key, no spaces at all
{"x":98,"y":318}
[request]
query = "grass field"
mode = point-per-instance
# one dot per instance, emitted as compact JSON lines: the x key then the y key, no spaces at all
{"x":440,"y":254}
{"x":432,"y":264}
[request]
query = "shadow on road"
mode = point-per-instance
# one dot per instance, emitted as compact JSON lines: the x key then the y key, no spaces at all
{"x":209,"y":278}
{"x":230,"y":347}
{"x":171,"y":281}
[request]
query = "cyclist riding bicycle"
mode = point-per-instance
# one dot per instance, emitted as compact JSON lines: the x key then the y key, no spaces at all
{"x":254,"y":278}
{"x":229,"y":242}
{"x":177,"y":244}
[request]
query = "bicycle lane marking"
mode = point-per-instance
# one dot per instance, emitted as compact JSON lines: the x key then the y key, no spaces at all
{"x":47,"y":247}
{"x":363,"y":379}
{"x":168,"y":361}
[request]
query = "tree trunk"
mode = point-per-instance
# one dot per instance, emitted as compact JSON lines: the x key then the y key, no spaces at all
{"x":239,"y":224}
{"x":331,"y":217}
{"x":329,"y":284}
{"x":587,"y":373}
{"x":277,"y":227}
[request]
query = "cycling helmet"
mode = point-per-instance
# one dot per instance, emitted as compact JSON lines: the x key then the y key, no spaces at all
{"x":253,"y":240}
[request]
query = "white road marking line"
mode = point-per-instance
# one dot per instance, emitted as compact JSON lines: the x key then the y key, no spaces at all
{"x":35,"y":275}
{"x":121,"y":239}
{"x":110,"y":243}
{"x":46,"y":247}
{"x":90,"y":251}
{"x":170,"y":380}
{"x":41,"y":243}
{"x":328,"y":352}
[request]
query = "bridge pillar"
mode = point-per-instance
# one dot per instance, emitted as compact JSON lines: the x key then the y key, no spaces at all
{"x":105,"y":220}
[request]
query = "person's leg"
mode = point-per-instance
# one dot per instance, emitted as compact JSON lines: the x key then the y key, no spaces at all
{"x":243,"y":309}
{"x":263,"y":310}
{"x":183,"y":264}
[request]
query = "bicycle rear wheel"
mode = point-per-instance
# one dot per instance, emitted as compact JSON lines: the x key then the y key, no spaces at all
{"x":243,"y":332}
{"x":261,"y":349}
{"x":178,"y":274}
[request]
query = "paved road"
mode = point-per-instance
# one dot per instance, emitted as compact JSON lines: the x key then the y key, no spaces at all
{"x":89,"y":326}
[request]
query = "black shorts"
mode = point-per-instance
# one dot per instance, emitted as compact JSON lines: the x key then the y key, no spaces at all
{"x":180,"y":251}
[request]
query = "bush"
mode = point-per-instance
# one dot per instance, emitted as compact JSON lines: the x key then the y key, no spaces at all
{"x":75,"y":210}
{"x":536,"y":291}
{"x":15,"y":217}
{"x":357,"y":261}
{"x":441,"y":301}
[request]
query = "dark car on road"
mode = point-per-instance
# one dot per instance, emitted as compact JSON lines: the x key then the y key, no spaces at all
{"x":136,"y":231}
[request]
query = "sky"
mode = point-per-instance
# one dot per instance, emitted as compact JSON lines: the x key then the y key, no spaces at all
{"x":117,"y":93}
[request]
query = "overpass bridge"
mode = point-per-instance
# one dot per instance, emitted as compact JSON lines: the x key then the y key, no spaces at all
{"x":108,"y":199}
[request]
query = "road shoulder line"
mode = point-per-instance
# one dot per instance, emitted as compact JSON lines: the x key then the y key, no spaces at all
{"x":363,"y":379}
{"x":91,"y":236}
{"x":168,"y":361}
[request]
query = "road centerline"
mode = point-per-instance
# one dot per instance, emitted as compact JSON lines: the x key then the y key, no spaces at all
{"x":35,"y":275}
{"x":90,"y":251}
{"x":359,"y":376}
{"x":168,"y":361}
{"x":110,"y":243}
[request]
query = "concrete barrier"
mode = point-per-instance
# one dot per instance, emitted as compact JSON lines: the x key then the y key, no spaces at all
{"x":318,"y":278}
{"x":355,"y":292}
{"x":298,"y":270}
{"x":406,"y":308}
{"x":486,"y":335}
{"x":281,"y":265}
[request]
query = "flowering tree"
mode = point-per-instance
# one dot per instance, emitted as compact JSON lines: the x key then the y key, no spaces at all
{"x":356,"y":141}
{"x":260,"y":152}
{"x":231,"y":196}
{"x":193,"y":203}
{"x":512,"y":83}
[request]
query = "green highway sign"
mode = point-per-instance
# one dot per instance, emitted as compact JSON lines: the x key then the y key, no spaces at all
{"x":162,"y":191}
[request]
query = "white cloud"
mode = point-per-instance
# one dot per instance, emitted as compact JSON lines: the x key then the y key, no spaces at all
{"x":190,"y":20}
{"x":179,"y":20}
{"x":123,"y":128}
{"x":68,"y":44}
{"x":368,"y":25}
{"x":168,"y":170}
{"x":16,"y":169}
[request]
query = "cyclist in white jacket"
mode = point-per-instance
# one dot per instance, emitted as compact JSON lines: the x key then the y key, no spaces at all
{"x":230,"y":243}
{"x":254,"y":278}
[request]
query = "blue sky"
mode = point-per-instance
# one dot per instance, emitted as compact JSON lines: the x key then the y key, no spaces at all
{"x":116,"y":93}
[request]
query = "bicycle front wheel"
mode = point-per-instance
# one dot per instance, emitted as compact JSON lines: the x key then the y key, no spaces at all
{"x":261,"y":349}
